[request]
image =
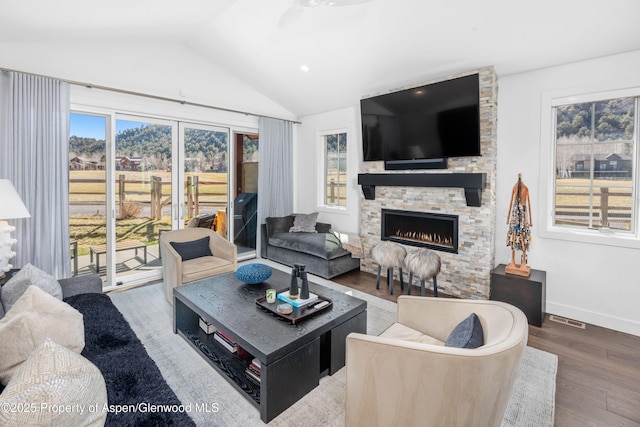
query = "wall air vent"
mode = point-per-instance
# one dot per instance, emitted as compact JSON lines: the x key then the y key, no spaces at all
{"x":565,"y":321}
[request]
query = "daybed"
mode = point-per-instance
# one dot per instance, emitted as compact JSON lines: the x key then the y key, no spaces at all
{"x":320,"y":251}
{"x":131,"y":376}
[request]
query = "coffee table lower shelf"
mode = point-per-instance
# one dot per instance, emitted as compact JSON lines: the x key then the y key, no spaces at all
{"x":278,"y":388}
{"x":225,"y":362}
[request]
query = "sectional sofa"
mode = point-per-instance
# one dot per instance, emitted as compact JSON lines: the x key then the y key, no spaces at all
{"x":133,"y":381}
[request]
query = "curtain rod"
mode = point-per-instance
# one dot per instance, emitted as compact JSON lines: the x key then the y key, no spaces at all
{"x":156,"y":97}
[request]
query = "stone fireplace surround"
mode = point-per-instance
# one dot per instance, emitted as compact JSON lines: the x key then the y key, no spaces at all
{"x":467,"y":273}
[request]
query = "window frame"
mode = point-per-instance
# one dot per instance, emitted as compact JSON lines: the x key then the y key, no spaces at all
{"x":322,"y":169}
{"x":603,"y":236}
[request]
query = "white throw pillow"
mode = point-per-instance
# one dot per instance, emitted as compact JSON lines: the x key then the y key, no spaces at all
{"x":27,"y":276}
{"x":34,"y":317}
{"x":55,"y":387}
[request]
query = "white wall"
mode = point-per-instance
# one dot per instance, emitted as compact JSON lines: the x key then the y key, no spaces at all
{"x":308,"y":160}
{"x":594,"y":283}
{"x":167,"y":70}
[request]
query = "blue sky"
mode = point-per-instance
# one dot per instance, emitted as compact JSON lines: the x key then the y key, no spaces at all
{"x":86,"y":126}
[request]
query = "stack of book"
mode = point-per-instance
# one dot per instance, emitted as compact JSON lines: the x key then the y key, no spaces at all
{"x":253,"y":372}
{"x":226,"y":342}
{"x":297,"y":302}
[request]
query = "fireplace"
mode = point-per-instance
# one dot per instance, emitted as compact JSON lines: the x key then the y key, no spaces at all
{"x":423,"y":229}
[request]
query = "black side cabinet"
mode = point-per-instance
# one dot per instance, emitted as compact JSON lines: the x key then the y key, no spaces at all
{"x":526,"y":293}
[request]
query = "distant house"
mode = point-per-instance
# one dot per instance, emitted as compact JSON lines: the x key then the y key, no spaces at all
{"x":125,"y":163}
{"x":604,"y":165}
{"x":82,"y":164}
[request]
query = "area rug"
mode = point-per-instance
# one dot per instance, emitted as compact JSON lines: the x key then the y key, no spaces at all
{"x":214,"y":402}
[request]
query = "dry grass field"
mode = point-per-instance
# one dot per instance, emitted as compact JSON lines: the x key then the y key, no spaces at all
{"x":575,"y":192}
{"x":90,"y":186}
{"x":612,"y":203}
{"x":87,"y":198}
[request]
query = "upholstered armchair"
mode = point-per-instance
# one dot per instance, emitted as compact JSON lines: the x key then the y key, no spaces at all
{"x":407,"y":377}
{"x":190,"y":258}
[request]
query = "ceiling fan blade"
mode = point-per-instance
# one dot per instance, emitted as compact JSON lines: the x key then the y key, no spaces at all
{"x":291,"y":15}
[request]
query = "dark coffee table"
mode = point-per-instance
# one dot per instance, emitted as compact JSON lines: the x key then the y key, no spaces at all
{"x":293,"y":357}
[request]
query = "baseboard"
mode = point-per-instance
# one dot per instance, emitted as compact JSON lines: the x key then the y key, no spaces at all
{"x":595,"y":318}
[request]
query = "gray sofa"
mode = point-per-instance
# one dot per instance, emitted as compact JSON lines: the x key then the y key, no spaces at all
{"x":321,"y":252}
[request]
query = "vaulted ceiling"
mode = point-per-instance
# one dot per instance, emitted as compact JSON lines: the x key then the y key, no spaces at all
{"x":352,"y":51}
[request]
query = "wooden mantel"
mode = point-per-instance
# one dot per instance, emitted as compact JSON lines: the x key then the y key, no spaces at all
{"x":473,"y":183}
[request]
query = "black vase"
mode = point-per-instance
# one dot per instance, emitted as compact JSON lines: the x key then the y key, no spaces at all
{"x":293,"y":288}
{"x":304,"y":288}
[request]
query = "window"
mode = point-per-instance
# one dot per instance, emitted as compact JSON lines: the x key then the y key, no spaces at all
{"x":335,"y":168}
{"x":595,"y":178}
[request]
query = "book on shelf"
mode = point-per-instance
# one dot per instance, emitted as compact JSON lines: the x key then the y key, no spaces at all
{"x":284,"y":296}
{"x":226,"y":337}
{"x":253,"y":378}
{"x":255,"y":365}
{"x":207,"y":327}
{"x":226,"y":342}
{"x":254,"y":369}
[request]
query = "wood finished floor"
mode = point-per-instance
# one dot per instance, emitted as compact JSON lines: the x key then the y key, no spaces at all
{"x":598,"y":379}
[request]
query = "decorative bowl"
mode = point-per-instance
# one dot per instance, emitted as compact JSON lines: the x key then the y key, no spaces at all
{"x":285,"y":308}
{"x":252,"y":274}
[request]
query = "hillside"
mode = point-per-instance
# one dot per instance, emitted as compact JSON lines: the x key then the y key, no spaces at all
{"x":204,"y":149}
{"x":613,"y":120}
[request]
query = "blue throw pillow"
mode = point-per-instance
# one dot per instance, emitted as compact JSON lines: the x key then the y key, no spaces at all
{"x":467,"y":334}
{"x":253,"y":274}
{"x":193,"y":249}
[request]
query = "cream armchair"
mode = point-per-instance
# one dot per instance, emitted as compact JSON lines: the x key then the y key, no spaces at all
{"x":407,"y":377}
{"x":177,"y":272}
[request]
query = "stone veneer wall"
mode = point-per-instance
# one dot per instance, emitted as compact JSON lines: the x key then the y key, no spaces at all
{"x":466,"y":274}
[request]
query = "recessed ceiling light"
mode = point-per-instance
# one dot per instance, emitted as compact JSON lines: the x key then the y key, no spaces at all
{"x":304,"y":68}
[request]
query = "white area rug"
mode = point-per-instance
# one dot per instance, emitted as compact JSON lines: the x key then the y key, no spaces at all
{"x":218,"y":403}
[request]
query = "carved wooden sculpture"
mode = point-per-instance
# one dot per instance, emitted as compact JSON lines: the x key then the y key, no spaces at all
{"x":519,"y":233}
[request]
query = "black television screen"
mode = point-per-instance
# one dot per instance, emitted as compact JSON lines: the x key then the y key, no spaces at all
{"x":438,"y":120}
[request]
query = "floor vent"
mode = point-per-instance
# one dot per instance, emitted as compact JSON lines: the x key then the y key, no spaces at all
{"x":565,"y":321}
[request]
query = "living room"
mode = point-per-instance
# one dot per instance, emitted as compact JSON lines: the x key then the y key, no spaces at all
{"x":590,"y":276}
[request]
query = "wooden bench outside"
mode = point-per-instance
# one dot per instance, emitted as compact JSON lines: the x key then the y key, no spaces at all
{"x":120,"y":246}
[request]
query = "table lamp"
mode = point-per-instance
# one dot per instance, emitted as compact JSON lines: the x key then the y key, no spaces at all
{"x":11,"y":207}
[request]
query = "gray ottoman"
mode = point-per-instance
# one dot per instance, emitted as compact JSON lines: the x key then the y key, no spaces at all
{"x":389,"y":255}
{"x":424,"y":264}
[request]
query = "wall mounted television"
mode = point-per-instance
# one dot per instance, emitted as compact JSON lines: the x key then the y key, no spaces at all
{"x":420,"y":128}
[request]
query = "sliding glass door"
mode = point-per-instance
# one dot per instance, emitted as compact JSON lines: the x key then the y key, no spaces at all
{"x":87,"y":187}
{"x":245,"y":202}
{"x":133,"y":178}
{"x":143,"y":192}
{"x":121,"y":195}
{"x":205,"y":166}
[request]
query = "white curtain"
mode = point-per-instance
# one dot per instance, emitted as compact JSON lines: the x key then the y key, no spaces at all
{"x":34,"y":135}
{"x":275,"y":173}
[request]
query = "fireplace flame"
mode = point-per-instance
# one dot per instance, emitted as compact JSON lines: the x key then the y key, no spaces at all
{"x":420,"y":237}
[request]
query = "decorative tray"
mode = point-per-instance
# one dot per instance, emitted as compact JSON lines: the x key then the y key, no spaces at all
{"x":297,"y":314}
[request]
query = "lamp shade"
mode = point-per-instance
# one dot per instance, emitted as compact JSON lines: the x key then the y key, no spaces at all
{"x":11,"y":206}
